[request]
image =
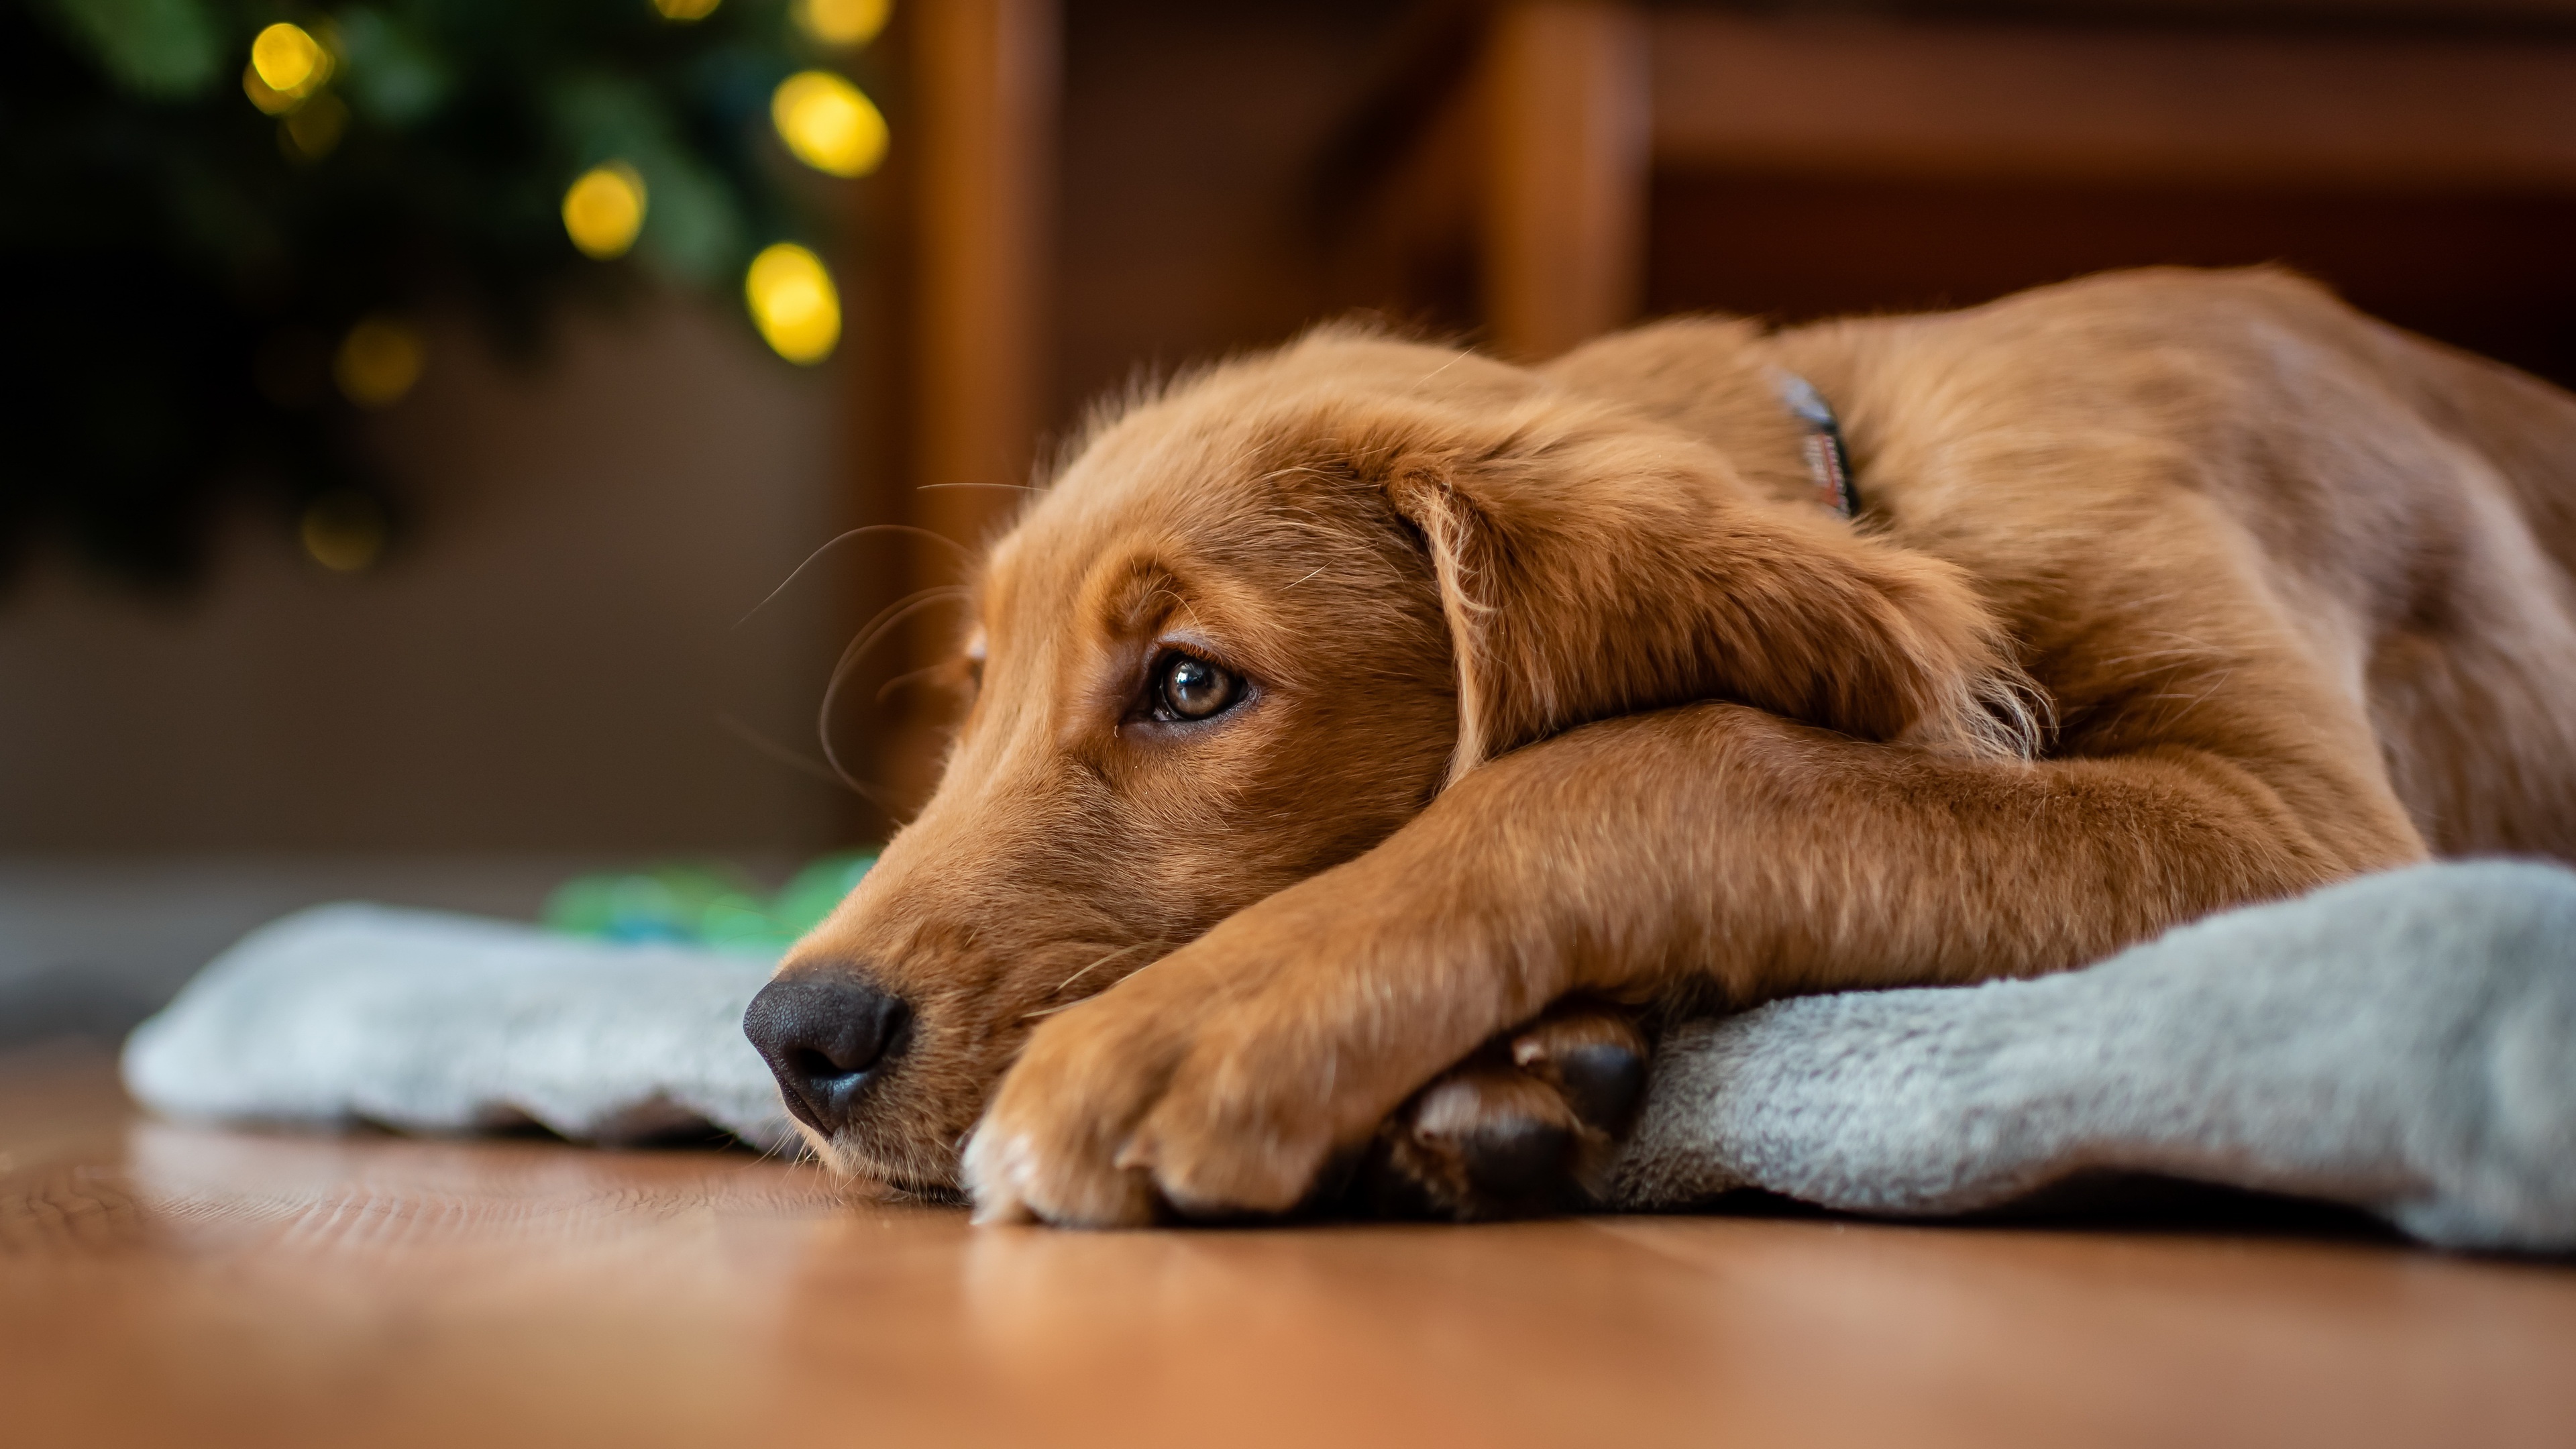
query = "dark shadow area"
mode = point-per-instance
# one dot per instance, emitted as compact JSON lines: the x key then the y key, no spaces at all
{"x":2487,"y":273}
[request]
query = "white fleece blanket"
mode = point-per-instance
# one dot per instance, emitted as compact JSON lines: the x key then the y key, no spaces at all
{"x":2405,"y":1044}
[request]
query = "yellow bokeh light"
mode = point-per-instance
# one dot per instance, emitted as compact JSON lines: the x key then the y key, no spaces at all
{"x":604,"y":210}
{"x":828,"y":123}
{"x":841,"y":22}
{"x":686,"y":9}
{"x":378,"y":362}
{"x":793,"y":302}
{"x":344,"y":530}
{"x":270,"y":102}
{"x":289,"y":61}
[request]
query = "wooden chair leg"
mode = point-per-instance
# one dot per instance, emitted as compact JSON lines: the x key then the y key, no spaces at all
{"x":986,"y":78}
{"x":1567,"y":131}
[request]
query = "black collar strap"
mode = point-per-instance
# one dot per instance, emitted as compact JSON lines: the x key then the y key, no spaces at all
{"x":1828,"y":461}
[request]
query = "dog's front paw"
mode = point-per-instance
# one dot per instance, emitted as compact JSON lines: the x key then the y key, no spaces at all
{"x":1050,"y":1145}
{"x":1526,"y":1126}
{"x":1160,"y":1098}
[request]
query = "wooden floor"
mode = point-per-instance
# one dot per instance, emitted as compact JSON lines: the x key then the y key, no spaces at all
{"x":167,"y":1285}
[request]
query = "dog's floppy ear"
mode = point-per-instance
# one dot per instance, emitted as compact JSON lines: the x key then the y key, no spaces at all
{"x":1586,"y":577}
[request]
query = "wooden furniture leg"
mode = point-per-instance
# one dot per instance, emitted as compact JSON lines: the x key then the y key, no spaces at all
{"x":1564,"y":205}
{"x":985,"y":82}
{"x":986,"y":78}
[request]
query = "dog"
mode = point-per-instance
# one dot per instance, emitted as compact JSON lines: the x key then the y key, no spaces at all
{"x":1370,"y":742}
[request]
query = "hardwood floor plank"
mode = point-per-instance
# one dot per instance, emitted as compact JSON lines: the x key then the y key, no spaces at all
{"x":163,"y":1283}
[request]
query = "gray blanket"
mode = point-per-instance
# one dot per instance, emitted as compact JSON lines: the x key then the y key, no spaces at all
{"x":2405,"y":1044}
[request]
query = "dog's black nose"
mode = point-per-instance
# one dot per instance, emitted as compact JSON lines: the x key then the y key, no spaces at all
{"x":825,"y":1039}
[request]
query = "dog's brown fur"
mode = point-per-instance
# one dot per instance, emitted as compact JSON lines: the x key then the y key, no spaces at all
{"x":2174,"y":591}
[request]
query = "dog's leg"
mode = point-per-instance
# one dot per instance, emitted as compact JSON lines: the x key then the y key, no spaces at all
{"x":1528,"y":1125}
{"x":1706,"y":847}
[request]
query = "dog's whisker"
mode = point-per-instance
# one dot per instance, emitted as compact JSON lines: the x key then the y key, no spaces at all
{"x":802,"y":764}
{"x":1087,"y":970}
{"x":911,"y":676}
{"x":878,"y":628}
{"x":793,"y":574}
{"x":1096,"y":965}
{"x":890,"y":615}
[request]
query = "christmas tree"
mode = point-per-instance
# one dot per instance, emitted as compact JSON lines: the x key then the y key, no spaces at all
{"x":224,"y":218}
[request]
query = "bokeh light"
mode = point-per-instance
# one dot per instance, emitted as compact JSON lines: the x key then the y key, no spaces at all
{"x":289,"y":61}
{"x":312,"y":130}
{"x":344,"y":530}
{"x":828,"y":123}
{"x":794,"y":303}
{"x":378,"y":362}
{"x":604,"y":209}
{"x":686,"y":9}
{"x":270,"y":102}
{"x":841,"y":22}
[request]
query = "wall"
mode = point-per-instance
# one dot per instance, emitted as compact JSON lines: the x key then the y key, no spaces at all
{"x":544,"y":666}
{"x":1191,"y":136}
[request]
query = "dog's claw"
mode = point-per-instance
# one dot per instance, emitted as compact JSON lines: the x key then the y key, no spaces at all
{"x":1525,"y":1127}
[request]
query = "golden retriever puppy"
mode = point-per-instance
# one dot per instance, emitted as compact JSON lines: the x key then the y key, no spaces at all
{"x":1340,"y":710}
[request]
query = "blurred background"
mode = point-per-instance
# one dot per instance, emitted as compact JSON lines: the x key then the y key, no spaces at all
{"x":423,"y":416}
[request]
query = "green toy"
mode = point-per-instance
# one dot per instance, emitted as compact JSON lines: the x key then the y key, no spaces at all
{"x":704,"y":903}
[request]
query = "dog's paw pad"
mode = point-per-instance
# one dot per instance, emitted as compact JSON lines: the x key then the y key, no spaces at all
{"x":1604,"y":1083}
{"x":1515,"y":1167}
{"x":1596,"y":1061}
{"x":1525,"y":1127}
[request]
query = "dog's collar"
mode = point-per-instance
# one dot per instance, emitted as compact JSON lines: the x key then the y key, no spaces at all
{"x":1821,"y":439}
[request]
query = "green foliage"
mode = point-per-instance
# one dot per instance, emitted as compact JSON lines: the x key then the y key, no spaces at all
{"x":164,"y":49}
{"x":176,"y":267}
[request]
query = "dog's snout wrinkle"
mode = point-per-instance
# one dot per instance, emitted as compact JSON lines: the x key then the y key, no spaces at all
{"x":826,"y":1040}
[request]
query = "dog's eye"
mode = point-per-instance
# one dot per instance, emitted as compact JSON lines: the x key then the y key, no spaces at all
{"x":1188,"y":687}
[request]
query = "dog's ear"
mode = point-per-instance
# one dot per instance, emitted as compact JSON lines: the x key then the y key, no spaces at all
{"x":1583,"y":578}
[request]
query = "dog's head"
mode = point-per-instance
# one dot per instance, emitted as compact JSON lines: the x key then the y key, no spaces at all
{"x":1254,"y":627}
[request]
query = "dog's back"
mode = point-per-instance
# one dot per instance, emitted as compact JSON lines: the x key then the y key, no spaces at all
{"x":2474,"y":689}
{"x":2158,"y":474}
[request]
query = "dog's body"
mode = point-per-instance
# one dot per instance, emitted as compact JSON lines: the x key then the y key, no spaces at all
{"x":2171,"y":591}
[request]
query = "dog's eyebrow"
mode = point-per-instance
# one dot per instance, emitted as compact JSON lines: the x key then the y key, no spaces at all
{"x":1143,"y":578}
{"x":1165,"y":587}
{"x":1319,"y":568}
